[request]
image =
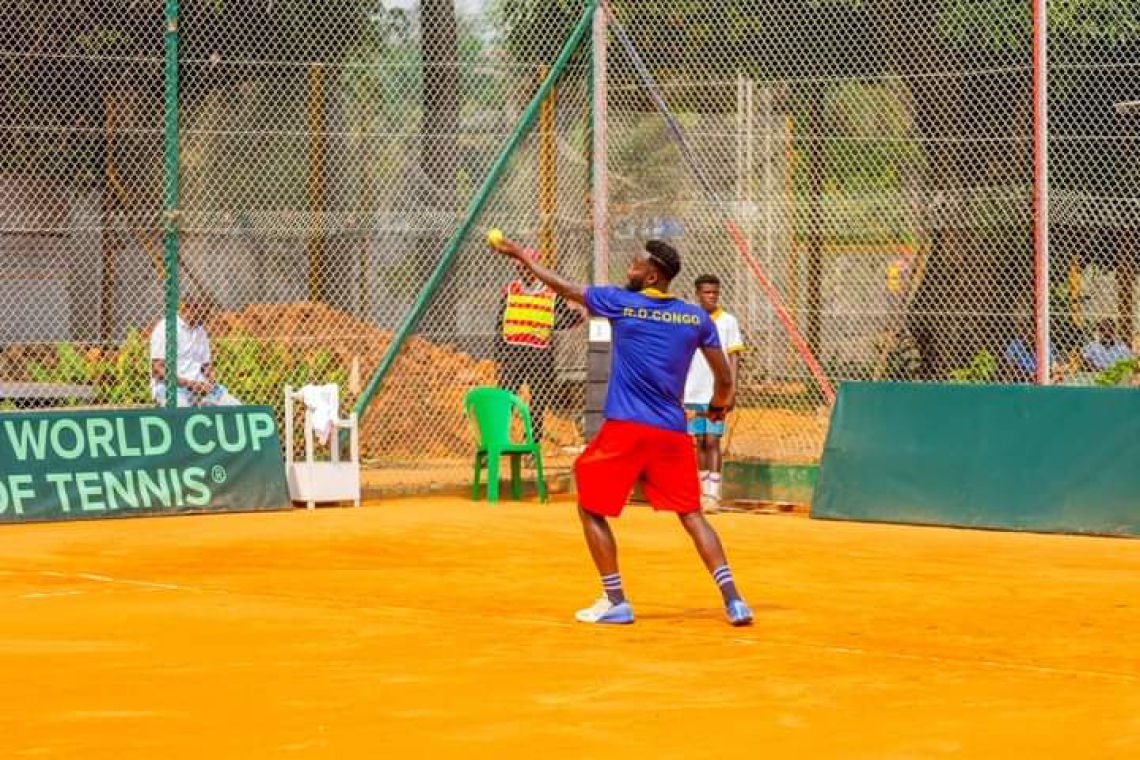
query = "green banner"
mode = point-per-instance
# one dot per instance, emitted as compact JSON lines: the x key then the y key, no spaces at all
{"x":67,"y":465}
{"x":1020,"y":457}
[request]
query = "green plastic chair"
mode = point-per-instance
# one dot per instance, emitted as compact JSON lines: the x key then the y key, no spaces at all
{"x":491,"y":410}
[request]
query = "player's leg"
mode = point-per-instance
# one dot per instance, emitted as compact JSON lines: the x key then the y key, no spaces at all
{"x":605,"y":473}
{"x":602,"y":545}
{"x":612,"y":607}
{"x":671,"y":484}
{"x":708,"y":545}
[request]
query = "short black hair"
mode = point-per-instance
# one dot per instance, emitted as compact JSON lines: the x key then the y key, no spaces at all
{"x":707,"y":279}
{"x":664,"y":257}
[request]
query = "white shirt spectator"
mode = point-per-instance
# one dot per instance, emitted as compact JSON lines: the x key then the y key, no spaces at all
{"x":193,"y":352}
{"x":699,"y":383}
{"x":1100,"y":356}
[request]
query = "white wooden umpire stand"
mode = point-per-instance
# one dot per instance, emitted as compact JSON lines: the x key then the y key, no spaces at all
{"x":315,"y":479}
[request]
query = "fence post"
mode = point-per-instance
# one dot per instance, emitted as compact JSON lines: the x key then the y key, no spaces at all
{"x":1041,"y":187}
{"x":599,"y":169}
{"x":547,"y":177}
{"x":316,"y":182}
{"x":170,"y":203}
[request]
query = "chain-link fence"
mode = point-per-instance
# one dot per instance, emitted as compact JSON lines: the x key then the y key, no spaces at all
{"x":1095,"y":65}
{"x":879,"y":161}
{"x":876,"y":158}
{"x":81,"y":149}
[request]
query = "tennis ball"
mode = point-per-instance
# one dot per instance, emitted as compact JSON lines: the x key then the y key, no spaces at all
{"x":495,"y":238}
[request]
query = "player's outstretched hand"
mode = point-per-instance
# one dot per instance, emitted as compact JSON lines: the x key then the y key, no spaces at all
{"x":497,"y":241}
{"x":513,"y":250}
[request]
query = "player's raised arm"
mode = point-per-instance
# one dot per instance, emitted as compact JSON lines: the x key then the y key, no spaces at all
{"x":571,"y":291}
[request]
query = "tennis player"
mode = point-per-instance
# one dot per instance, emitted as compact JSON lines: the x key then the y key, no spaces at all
{"x":643,"y":437}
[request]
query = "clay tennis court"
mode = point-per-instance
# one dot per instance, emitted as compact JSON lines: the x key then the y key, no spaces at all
{"x":441,"y":628}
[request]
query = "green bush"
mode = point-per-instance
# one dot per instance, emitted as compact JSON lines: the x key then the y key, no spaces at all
{"x":256,"y":370}
{"x":1118,"y":374}
{"x":981,"y":370}
{"x":253,"y":370}
{"x":119,"y":377}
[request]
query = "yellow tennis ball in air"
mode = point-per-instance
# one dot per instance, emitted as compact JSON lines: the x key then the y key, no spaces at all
{"x":495,"y":238}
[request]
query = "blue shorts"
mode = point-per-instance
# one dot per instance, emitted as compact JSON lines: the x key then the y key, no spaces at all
{"x":218,"y":396}
{"x":699,"y":423}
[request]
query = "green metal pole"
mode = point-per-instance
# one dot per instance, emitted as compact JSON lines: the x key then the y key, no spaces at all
{"x":170,"y":204}
{"x":412,"y":318}
{"x":599,"y":140}
{"x":591,"y":125}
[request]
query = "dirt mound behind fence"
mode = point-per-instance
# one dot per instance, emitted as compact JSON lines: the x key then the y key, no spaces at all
{"x":418,"y":410}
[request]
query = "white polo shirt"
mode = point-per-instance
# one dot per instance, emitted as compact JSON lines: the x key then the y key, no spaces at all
{"x":193,"y":350}
{"x":699,"y":383}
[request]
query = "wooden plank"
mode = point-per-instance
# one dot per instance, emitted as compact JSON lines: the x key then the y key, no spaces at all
{"x":46,"y":391}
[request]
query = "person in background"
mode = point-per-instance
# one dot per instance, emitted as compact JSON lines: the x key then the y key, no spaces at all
{"x":706,"y":433}
{"x":1019,"y":361}
{"x":1105,"y":348}
{"x":195,"y":368}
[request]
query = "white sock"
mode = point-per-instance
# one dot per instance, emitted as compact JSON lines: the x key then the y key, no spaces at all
{"x":713,"y":485}
{"x":704,"y":475}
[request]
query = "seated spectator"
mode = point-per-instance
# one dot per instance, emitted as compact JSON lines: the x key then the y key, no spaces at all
{"x":1105,"y":349}
{"x":195,"y":369}
{"x":1019,"y":362}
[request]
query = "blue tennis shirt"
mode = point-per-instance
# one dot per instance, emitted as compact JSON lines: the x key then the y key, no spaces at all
{"x":654,"y":338}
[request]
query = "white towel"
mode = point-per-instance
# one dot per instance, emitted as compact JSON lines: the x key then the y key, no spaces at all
{"x":322,"y":405}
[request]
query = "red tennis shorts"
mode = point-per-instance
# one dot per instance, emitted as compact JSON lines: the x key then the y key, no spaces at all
{"x":624,"y":452}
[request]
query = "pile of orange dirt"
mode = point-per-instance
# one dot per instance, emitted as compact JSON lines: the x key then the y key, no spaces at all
{"x":561,"y":432}
{"x":418,"y":412}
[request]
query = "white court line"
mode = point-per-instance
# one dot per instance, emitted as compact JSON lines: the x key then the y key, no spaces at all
{"x":95,"y":578}
{"x":992,"y":664}
{"x":49,"y":594}
{"x":811,"y":646}
{"x":817,"y":646}
{"x":129,"y":582}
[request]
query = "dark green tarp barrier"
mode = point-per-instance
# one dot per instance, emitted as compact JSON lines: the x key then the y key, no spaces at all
{"x":1050,"y":459}
{"x":69,"y":465}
